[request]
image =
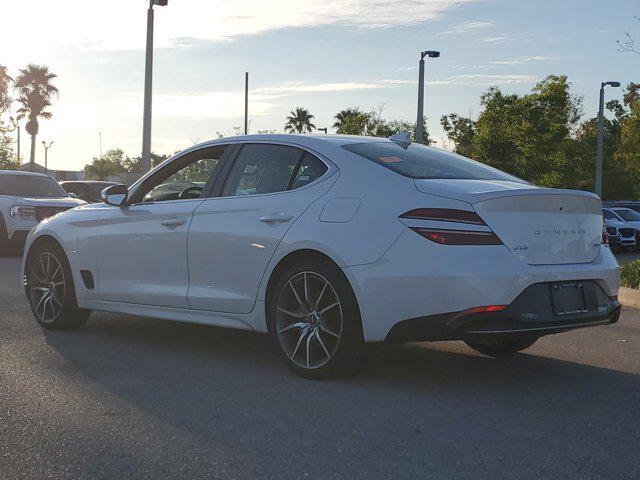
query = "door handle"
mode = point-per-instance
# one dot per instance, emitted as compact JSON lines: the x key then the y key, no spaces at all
{"x":276,"y":217}
{"x":173,"y":222}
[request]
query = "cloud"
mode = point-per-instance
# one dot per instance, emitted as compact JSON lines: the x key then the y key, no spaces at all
{"x":520,"y":61}
{"x":290,"y":88}
{"x":492,"y":39}
{"x":229,"y":104}
{"x":120,"y":24}
{"x":483,"y":80}
{"x":467,"y":27}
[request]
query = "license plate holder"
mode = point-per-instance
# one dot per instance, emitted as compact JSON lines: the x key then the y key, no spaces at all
{"x":568,"y":298}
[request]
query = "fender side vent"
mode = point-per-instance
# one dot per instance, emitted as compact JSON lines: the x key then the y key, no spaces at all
{"x":87,"y":278}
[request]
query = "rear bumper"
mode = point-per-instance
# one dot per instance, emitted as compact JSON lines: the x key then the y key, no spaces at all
{"x":530,"y":314}
{"x":417,"y":278}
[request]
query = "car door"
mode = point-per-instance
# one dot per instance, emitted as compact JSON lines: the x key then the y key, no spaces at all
{"x":233,"y":236}
{"x":142,"y":247}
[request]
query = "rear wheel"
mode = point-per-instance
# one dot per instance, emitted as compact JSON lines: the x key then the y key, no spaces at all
{"x":314,"y":317}
{"x":501,"y":347}
{"x":51,"y":289}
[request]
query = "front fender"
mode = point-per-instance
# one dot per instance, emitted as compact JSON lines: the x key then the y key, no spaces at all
{"x":76,"y":236}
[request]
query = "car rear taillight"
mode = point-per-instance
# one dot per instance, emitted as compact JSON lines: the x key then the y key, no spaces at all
{"x":458,"y":237}
{"x":605,"y":238}
{"x":444,"y":215}
{"x":452,"y":236}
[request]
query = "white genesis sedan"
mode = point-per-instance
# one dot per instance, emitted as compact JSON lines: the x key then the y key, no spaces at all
{"x":328,"y":242}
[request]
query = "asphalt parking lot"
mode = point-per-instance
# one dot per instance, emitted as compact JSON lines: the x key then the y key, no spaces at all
{"x":128,"y":397}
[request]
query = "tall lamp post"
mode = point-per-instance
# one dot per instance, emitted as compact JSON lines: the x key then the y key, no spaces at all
{"x":420,"y":120}
{"x":46,"y":158}
{"x":600,"y":142}
{"x":148,"y":77}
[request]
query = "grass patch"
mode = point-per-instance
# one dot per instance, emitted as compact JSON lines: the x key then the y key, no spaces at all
{"x":630,"y":274}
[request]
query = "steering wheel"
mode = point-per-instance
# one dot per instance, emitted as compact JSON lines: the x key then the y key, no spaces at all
{"x":189,"y":192}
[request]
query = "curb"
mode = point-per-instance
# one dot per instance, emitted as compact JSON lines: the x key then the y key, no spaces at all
{"x":629,"y":297}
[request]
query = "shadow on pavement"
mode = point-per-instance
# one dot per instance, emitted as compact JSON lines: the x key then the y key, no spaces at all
{"x":409,"y":402}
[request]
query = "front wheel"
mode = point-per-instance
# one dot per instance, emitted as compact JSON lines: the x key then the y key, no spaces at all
{"x":501,"y":347}
{"x":51,"y":290}
{"x":314,"y":317}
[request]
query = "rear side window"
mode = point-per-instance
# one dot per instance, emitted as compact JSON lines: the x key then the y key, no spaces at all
{"x":264,"y":168}
{"x":309,"y":170}
{"x":420,"y":162}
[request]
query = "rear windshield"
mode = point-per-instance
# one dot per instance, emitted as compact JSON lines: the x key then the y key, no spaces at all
{"x":418,"y":161}
{"x":30,"y":186}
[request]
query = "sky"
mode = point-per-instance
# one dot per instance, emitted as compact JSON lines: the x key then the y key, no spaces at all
{"x":323,"y":55}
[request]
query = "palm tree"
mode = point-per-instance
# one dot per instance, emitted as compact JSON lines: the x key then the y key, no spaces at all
{"x":299,"y":121}
{"x":35,"y":93}
{"x":351,"y":121}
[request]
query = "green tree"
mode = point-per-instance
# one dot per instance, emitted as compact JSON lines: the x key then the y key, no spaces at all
{"x":111,"y":163}
{"x":133,"y":165}
{"x":5,"y":82}
{"x":530,"y":136}
{"x":351,"y":121}
{"x":461,"y":131}
{"x":8,"y":159}
{"x":35,"y":94}
{"x":299,"y":121}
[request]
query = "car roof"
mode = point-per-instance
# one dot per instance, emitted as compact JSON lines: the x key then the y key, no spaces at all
{"x":614,"y":208}
{"x":305,"y":140}
{"x":22,"y":174}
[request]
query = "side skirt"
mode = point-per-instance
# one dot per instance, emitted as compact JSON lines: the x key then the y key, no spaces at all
{"x":251,"y":321}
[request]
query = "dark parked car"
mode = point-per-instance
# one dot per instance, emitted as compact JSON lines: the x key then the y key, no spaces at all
{"x":87,"y":190}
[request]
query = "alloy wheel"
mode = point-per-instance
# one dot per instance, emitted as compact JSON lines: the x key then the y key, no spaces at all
{"x":309,"y":320}
{"x":46,"y":287}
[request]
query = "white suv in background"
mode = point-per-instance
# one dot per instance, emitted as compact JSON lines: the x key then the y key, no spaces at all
{"x":27,"y":198}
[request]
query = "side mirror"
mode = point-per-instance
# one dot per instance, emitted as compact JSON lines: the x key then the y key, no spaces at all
{"x":72,"y":195}
{"x":115,"y":195}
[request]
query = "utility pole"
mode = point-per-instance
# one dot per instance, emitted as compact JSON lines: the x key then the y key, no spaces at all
{"x":600,"y":140}
{"x":246,"y":103}
{"x":148,"y":80}
{"x":420,"y":117}
{"x":18,"y":145}
{"x":46,"y":157}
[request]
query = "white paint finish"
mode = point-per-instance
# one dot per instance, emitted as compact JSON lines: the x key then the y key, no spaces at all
{"x":232,"y":240}
{"x":142,"y":260}
{"x":340,"y":210}
{"x":145,"y":268}
{"x":416,"y":278}
{"x":546,"y":229}
{"x":228,"y":320}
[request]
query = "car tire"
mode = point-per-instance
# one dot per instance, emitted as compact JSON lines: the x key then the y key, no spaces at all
{"x":314,"y":318}
{"x":501,"y":347}
{"x":51,"y":291}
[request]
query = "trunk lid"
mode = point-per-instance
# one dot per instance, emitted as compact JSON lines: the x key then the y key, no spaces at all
{"x":542,"y":226}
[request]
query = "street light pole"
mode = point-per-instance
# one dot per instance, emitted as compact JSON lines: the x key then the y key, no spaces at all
{"x":420,"y":117}
{"x":600,"y":140}
{"x":18,"y":140}
{"x":46,"y":157}
{"x":246,"y":103}
{"x":148,"y":77}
